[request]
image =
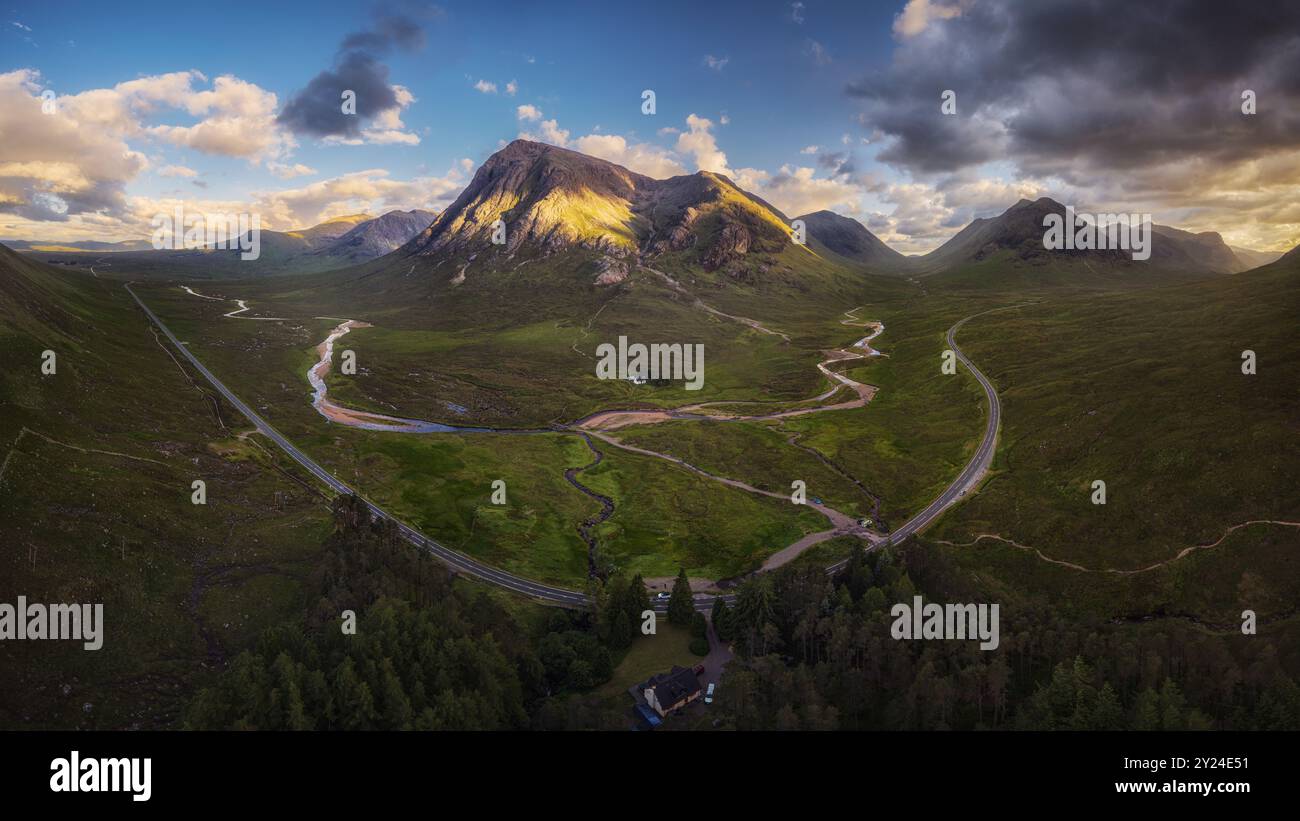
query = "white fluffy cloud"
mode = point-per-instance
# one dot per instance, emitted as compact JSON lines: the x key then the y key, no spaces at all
{"x":56,"y":165}
{"x":793,"y":190}
{"x":371,"y":191}
{"x":529,"y":112}
{"x":548,"y":132}
{"x":643,"y":158}
{"x":917,"y":16}
{"x":699,"y":143}
{"x":287,"y":172}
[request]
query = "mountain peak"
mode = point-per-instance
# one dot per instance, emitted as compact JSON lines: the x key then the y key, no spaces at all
{"x":851,"y":239}
{"x":1019,"y":230}
{"x":552,"y":198}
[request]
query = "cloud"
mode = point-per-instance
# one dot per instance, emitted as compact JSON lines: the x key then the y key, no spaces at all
{"x":810,"y":149}
{"x":550,"y":132}
{"x":817,"y":52}
{"x":177,"y":171}
{"x":318,"y":109}
{"x":643,"y":158}
{"x":512,"y":88}
{"x":796,"y":190}
{"x":59,"y":165}
{"x":917,"y":16}
{"x":1036,"y":91}
{"x":390,"y":31}
{"x":486,"y":87}
{"x":529,"y":112}
{"x":370,"y":191}
{"x":286,"y":172}
{"x":699,"y":143}
{"x":238,"y":120}
{"x":716,"y":63}
{"x":796,"y":12}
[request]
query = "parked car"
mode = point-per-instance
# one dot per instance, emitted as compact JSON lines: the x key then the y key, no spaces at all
{"x":662,"y":597}
{"x":699,"y":669}
{"x":816,"y":501}
{"x":708,"y":696}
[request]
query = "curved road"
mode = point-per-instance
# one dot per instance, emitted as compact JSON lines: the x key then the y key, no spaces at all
{"x":459,"y":562}
{"x":979,"y":462}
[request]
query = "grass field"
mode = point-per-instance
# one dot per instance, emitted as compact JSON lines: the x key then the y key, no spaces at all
{"x":1143,"y":391}
{"x":668,"y":647}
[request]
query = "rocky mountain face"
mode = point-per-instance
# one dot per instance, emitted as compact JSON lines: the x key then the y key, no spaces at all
{"x":851,"y":239}
{"x":551,"y":198}
{"x":1021,"y":227}
{"x":1172,"y":248}
{"x":375,"y":237}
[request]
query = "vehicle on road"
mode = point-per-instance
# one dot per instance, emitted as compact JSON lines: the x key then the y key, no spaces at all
{"x":699,"y":669}
{"x":816,"y":501}
{"x":708,"y":696}
{"x":662,"y":597}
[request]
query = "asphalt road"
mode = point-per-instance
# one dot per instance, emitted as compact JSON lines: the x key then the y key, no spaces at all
{"x":461,"y":563}
{"x":979,"y":462}
{"x":457,"y":561}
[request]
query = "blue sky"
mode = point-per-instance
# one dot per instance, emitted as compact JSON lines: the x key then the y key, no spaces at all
{"x":809,"y":104}
{"x":584,"y":65}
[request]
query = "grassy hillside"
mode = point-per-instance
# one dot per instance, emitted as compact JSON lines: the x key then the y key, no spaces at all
{"x":1145,"y":392}
{"x":95,"y":485}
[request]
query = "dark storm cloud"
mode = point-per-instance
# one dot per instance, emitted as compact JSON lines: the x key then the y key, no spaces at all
{"x":1061,"y":87}
{"x":317,"y":110}
{"x":837,"y":163}
{"x":389,"y":31}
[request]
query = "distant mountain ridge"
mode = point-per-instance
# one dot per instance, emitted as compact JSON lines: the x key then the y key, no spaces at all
{"x":335,"y":243}
{"x":851,"y":239}
{"x":1020,"y":229}
{"x":375,"y":237}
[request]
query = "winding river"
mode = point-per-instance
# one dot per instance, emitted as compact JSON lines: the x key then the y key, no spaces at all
{"x":599,"y":425}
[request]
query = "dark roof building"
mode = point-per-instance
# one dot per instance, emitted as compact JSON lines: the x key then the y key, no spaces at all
{"x":665,"y":692}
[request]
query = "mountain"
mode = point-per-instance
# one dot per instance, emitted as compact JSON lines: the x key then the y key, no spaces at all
{"x":330,"y":230}
{"x":87,"y":245}
{"x":375,"y":237}
{"x":1205,"y":251}
{"x":851,"y":239}
{"x":1254,"y":259}
{"x":552,"y":199}
{"x":334,"y":243}
{"x":1018,"y":232}
{"x":278,"y":248}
